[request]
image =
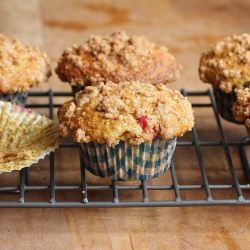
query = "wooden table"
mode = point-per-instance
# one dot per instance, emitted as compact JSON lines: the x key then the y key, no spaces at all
{"x":186,"y":27}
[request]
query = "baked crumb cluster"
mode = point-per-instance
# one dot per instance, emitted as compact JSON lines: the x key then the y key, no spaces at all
{"x":227,"y":63}
{"x":241,"y":108}
{"x":130,"y":111}
{"x":117,"y":57}
{"x":21,"y":66}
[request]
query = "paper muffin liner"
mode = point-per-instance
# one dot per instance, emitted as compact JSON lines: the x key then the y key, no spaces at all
{"x":224,"y":103}
{"x":26,"y":137}
{"x":129,"y":162}
{"x":18,"y":98}
{"x":76,"y":89}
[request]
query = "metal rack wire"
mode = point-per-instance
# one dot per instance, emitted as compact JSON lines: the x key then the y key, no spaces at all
{"x":20,"y":191}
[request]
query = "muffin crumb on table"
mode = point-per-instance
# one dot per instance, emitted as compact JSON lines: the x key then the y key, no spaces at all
{"x":117,"y":57}
{"x":130,"y":111}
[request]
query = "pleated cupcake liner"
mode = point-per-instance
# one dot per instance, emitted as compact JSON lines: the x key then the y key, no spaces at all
{"x":129,"y":162}
{"x":76,"y":89}
{"x":224,"y":103}
{"x":25,"y":138}
{"x":18,"y":98}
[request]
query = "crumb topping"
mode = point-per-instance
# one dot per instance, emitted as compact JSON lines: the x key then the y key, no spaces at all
{"x":227,"y":63}
{"x":21,"y":66}
{"x":130,"y":111}
{"x":117,"y":57}
{"x":241,"y":108}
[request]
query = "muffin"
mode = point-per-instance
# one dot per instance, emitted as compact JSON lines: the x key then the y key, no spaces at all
{"x":127,"y":130}
{"x":26,"y":137}
{"x":241,"y":108}
{"x":226,"y":65}
{"x":116,"y":57}
{"x":21,"y":67}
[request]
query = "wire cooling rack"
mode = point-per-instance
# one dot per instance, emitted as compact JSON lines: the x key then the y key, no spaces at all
{"x":89,"y":191}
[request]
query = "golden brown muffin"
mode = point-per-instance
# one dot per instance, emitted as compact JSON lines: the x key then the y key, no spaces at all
{"x":227,"y":63}
{"x":129,"y":111}
{"x":241,"y":108}
{"x":117,"y":57}
{"x":21,"y":66}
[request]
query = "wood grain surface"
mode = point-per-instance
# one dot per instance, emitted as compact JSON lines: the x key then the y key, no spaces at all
{"x":186,"y":28}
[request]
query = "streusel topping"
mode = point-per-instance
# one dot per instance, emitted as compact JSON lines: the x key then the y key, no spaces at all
{"x":130,"y":111}
{"x":21,"y":66}
{"x":241,"y":108}
{"x":117,"y":57}
{"x":227,"y":63}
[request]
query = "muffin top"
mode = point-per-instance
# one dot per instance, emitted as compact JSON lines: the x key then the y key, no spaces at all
{"x":117,"y":57}
{"x":241,"y":108}
{"x":227,"y":63}
{"x":133,"y":111}
{"x":21,"y":66}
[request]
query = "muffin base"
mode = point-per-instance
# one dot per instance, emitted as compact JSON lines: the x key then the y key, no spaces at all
{"x":16,"y":98}
{"x":224,"y":103}
{"x":129,"y":162}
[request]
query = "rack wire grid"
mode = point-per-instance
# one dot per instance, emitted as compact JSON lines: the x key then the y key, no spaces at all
{"x":95,"y":193}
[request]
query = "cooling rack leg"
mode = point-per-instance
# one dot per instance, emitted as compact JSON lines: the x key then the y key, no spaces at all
{"x":144,"y":191}
{"x":175,"y":182}
{"x":115,"y":192}
{"x":22,"y":184}
{"x":244,"y":162}
{"x":83,"y":178}
{"x":52,"y":178}
{"x":26,"y":176}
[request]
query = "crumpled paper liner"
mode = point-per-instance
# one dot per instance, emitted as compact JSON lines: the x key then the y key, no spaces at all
{"x":25,"y":137}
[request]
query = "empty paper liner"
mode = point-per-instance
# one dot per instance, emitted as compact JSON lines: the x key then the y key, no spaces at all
{"x":25,"y":137}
